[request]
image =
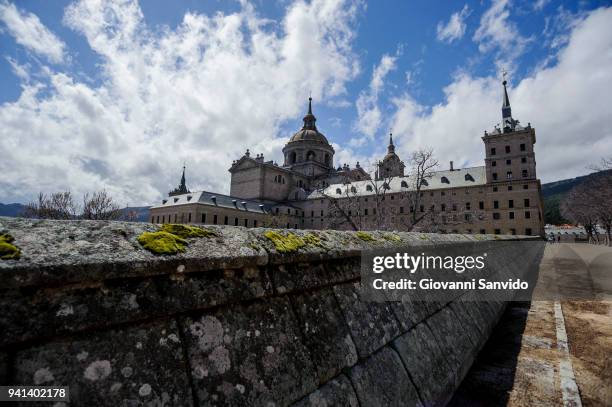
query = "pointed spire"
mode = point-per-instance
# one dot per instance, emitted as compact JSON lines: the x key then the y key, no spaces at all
{"x":391,"y":147}
{"x":507,"y":121}
{"x":182,"y":188}
{"x":310,"y":119}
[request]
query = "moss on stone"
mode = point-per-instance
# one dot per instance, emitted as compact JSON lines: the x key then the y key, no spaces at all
{"x":285,"y":244}
{"x":392,"y":237}
{"x":186,"y":231}
{"x":8,"y":251}
{"x":162,"y":242}
{"x":365,"y":236}
{"x":312,"y":240}
{"x":424,"y":237}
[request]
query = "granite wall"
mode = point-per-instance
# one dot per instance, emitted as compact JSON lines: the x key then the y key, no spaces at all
{"x":235,"y":319}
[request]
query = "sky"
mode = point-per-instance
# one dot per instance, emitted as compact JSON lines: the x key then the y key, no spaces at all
{"x":119,"y":94}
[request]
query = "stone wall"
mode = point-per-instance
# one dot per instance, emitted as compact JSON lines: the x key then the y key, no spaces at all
{"x":233,"y":320}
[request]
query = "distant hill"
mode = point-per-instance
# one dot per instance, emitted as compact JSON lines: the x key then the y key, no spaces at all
{"x":554,"y":192}
{"x":16,"y":209}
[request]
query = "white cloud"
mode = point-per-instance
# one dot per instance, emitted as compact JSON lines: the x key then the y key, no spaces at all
{"x":455,"y":28}
{"x":369,"y":115}
{"x":497,"y":33}
{"x":539,"y":5}
{"x":29,"y":32}
{"x":201,"y":92}
{"x":567,"y":103}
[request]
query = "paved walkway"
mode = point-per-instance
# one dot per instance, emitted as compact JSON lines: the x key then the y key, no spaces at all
{"x":555,"y":352}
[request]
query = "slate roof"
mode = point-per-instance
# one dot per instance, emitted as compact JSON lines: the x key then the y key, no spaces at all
{"x":220,"y":200}
{"x":463,"y":177}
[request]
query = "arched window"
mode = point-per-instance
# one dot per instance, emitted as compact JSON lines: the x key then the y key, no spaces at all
{"x":444,"y":180}
{"x":369,"y":188}
{"x":404,"y":184}
{"x":353,"y":190}
{"x":310,"y":156}
{"x":424,"y":182}
{"x":338,"y":191}
{"x":468,"y":177}
{"x":292,"y":157}
{"x":327,"y":160}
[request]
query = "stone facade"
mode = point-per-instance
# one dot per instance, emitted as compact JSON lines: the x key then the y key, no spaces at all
{"x":306,"y":191}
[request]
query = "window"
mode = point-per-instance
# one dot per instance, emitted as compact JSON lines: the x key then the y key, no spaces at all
{"x":494,"y":176}
{"x":401,"y":209}
{"x":468,"y":177}
{"x":507,"y":149}
{"x":189,"y":220}
{"x":493,"y":163}
{"x":467,"y":217}
{"x":444,"y":180}
{"x":508,"y":162}
{"x":422,"y":208}
{"x":523,"y":160}
{"x":163,"y":219}
{"x":254,"y":223}
{"x":443,"y":207}
{"x":365,"y":211}
{"x":524,"y":173}
{"x":510,"y":215}
{"x":235,"y":221}
{"x":246,"y":223}
{"x":374,"y":211}
{"x":527,"y":215}
{"x":442,"y":193}
{"x":454,"y":207}
{"x":404,"y":184}
{"x":483,"y":231}
{"x":369,"y":188}
{"x":511,"y":203}
{"x":203,"y":218}
{"x":321,"y":212}
{"x":525,"y":186}
{"x":226,"y":220}
{"x":353,"y":190}
{"x":497,"y":231}
{"x":493,"y":152}
{"x":481,"y":205}
{"x":495,"y":204}
{"x":467,"y":206}
{"x":424,"y":182}
{"x":509,"y":175}
{"x":214,"y":219}
{"x":528,"y":231}
{"x":338,"y":191}
{"x":522,"y":146}
{"x":513,"y":231}
{"x":157,"y":219}
{"x":509,"y":187}
{"x":496,"y":215}
{"x":494,"y":189}
{"x":152,"y":219}
{"x":526,"y":203}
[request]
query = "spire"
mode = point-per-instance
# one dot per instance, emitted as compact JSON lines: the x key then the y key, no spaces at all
{"x":310,"y":119}
{"x":391,"y":147}
{"x":508,"y":122}
{"x":182,"y":188}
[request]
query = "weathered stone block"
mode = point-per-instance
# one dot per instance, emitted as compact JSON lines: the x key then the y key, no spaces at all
{"x":381,"y":380}
{"x":337,"y":392}
{"x":427,"y":366}
{"x":301,"y":276}
{"x":472,"y":328}
{"x":372,"y":325}
{"x":135,"y":366}
{"x":249,"y":355}
{"x":325,"y":332}
{"x":454,"y":343}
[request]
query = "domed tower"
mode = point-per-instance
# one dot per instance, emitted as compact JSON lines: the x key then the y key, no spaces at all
{"x":308,"y":151}
{"x":391,"y":165}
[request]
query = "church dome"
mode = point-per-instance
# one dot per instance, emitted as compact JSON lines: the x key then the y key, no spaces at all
{"x":309,"y":131}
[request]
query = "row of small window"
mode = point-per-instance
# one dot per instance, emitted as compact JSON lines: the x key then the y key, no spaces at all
{"x":522,"y":147}
{"x":279,"y":179}
{"x":215,"y":220}
{"x":297,"y":212}
{"x":524,"y":174}
{"x":525,"y":186}
{"x":497,"y":215}
{"x":509,"y":162}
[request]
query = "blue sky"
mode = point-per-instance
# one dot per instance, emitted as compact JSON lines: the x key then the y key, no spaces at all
{"x":117,"y":94}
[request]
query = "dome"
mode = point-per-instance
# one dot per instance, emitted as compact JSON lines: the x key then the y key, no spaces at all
{"x":309,"y":135}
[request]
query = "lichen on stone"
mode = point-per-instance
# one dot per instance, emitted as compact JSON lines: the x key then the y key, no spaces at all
{"x":285,"y":244}
{"x":312,"y":240}
{"x":186,"y":231}
{"x":162,"y":242}
{"x":8,"y":251}
{"x":392,"y":237}
{"x":424,"y":237}
{"x":364,"y":236}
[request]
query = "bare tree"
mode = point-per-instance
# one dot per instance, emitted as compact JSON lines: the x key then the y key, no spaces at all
{"x":58,"y":205}
{"x":100,"y":206}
